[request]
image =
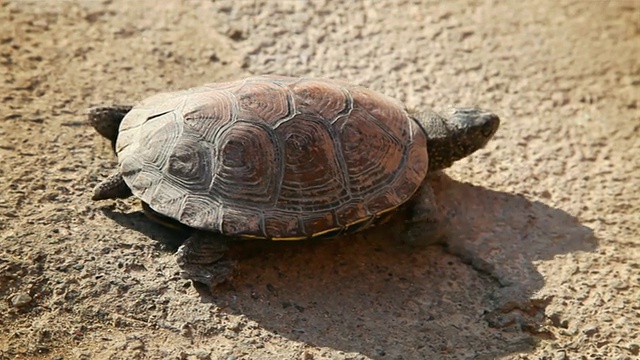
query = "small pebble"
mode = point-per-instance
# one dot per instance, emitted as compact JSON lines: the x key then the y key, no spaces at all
{"x":185,"y":330}
{"x":560,"y":355}
{"x":590,"y":330}
{"x":21,"y":300}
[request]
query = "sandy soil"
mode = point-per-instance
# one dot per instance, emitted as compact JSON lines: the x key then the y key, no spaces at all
{"x":544,"y":256}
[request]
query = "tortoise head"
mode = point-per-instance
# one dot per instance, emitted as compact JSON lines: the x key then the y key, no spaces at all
{"x":106,"y":120}
{"x":452,"y":138}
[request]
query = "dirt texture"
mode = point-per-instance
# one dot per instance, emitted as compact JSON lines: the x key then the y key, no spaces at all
{"x":543,"y":259}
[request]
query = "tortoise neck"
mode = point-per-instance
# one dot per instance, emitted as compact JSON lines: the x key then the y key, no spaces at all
{"x":441,"y":139}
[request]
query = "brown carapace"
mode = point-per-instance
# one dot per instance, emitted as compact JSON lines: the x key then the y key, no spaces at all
{"x":281,"y":158}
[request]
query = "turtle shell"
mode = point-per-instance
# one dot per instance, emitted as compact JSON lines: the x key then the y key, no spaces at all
{"x":272,"y":157}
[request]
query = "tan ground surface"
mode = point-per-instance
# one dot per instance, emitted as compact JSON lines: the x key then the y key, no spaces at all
{"x":544,"y":260}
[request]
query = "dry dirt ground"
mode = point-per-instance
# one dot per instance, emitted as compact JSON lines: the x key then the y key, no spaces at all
{"x":544,"y":253}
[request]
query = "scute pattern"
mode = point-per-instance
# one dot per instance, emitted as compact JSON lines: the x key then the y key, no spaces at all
{"x":322,"y":98}
{"x":199,"y":211}
{"x":380,"y":108}
{"x":272,"y":157}
{"x":313,"y":180}
{"x":167,"y":198}
{"x":282,"y":224}
{"x":189,"y":164}
{"x":247,"y":167}
{"x":208,"y":113}
{"x":238,"y":221}
{"x":413,"y":172}
{"x":372,"y":154}
{"x":265,"y":101}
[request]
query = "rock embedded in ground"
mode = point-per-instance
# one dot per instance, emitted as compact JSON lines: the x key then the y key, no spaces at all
{"x":21,"y":300}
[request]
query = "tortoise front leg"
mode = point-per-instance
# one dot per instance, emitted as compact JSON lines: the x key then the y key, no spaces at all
{"x":425,"y":224}
{"x":201,"y":258}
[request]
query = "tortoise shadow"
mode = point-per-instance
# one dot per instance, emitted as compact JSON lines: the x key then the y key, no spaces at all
{"x":167,"y":238}
{"x":374,"y":295}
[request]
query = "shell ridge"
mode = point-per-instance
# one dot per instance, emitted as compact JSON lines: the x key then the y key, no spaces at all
{"x":337,"y":142}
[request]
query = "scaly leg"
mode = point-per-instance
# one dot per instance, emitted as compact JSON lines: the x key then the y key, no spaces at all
{"x":425,"y":225}
{"x":201,"y":258}
{"x":112,"y":187}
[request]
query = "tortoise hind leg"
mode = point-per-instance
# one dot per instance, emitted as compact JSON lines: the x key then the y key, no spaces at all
{"x":112,"y":187}
{"x":202,"y":260}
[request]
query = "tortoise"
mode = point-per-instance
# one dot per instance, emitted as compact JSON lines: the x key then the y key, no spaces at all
{"x":280,"y":158}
